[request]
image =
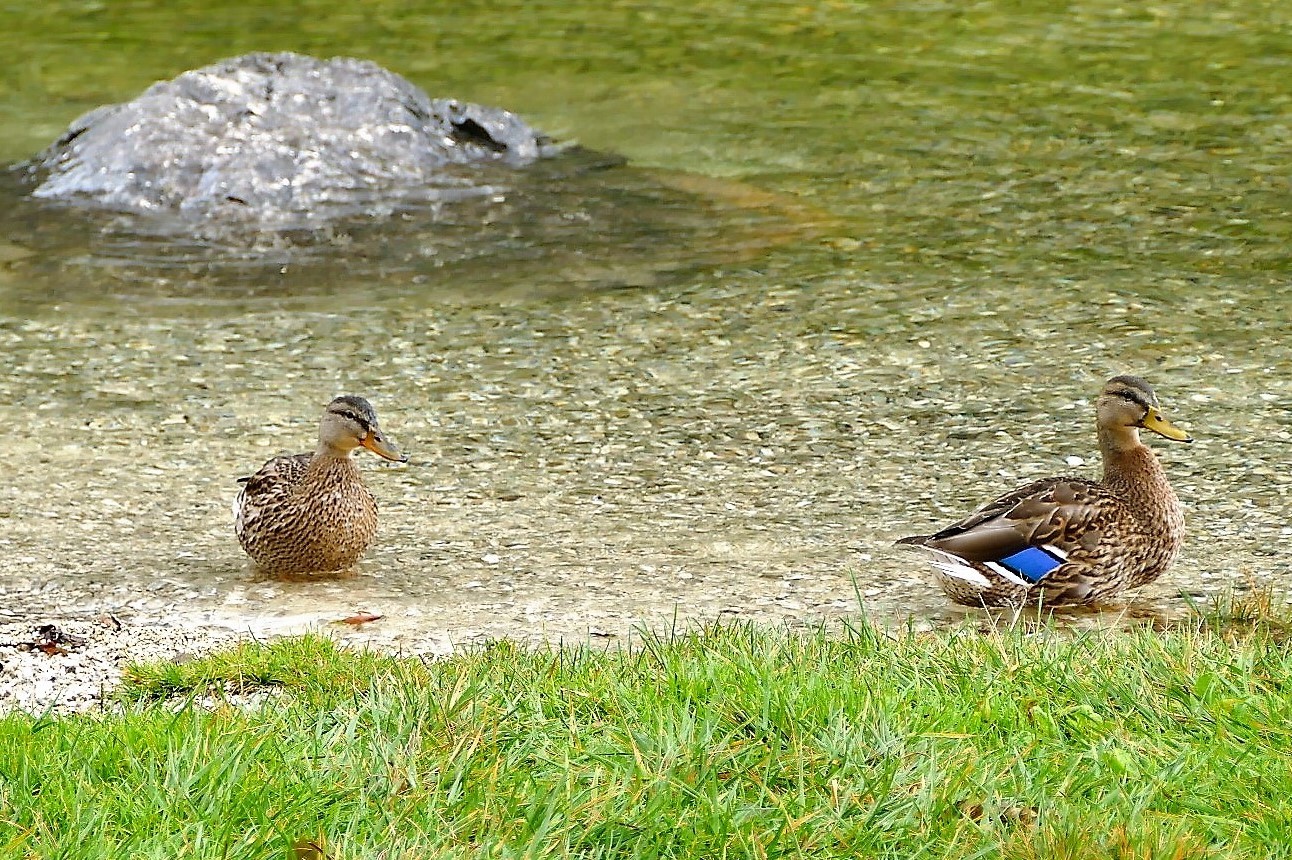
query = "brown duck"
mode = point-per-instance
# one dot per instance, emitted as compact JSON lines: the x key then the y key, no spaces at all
{"x":311,"y":513}
{"x":1070,"y":540}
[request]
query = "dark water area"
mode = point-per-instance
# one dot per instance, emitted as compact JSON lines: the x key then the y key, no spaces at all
{"x":813,"y":277}
{"x":579,"y":221}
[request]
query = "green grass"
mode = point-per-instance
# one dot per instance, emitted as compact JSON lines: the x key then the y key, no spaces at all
{"x":733,"y":742}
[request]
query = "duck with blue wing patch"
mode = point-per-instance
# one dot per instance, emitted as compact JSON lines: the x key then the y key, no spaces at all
{"x":1070,"y":540}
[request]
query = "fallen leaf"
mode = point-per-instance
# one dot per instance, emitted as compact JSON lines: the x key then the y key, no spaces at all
{"x":308,"y":849}
{"x":360,"y":618}
{"x":1008,"y":814}
{"x":51,"y":633}
{"x":110,"y":620}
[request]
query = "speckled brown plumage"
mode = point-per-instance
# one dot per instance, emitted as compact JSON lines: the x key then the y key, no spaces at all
{"x":311,"y":513}
{"x":1103,"y":536}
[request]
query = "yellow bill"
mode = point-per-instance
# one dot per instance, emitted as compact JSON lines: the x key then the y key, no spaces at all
{"x":383,"y":447}
{"x":1159,"y":425}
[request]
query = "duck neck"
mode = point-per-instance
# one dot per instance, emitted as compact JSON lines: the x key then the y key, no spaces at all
{"x":327,"y":458}
{"x":1131,"y":471}
{"x":1125,"y":456}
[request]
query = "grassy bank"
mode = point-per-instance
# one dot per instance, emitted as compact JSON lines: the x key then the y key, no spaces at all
{"x":731,"y":743}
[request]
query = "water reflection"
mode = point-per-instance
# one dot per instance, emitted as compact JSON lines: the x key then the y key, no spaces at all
{"x":579,"y":221}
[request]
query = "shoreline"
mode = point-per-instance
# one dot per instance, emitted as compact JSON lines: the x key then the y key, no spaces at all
{"x":64,"y":662}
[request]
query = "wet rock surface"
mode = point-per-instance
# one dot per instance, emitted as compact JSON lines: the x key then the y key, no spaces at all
{"x":285,"y":176}
{"x":279,"y":142}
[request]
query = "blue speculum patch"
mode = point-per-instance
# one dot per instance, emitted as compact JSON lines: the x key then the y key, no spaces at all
{"x":1032,"y":563}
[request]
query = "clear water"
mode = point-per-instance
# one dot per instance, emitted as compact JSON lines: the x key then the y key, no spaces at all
{"x":863,"y":269}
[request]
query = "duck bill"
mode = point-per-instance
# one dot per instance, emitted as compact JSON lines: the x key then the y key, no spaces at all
{"x":1162,"y":427}
{"x":382,"y":447}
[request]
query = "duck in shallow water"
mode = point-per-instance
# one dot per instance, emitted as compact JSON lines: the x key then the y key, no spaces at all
{"x":1071,"y":540}
{"x":311,"y":513}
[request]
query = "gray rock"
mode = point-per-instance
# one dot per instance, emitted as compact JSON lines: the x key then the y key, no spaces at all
{"x":279,"y":142}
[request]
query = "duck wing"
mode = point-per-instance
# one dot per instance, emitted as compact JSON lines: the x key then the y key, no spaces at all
{"x":279,"y":474}
{"x":1068,"y":514}
{"x":270,"y":486}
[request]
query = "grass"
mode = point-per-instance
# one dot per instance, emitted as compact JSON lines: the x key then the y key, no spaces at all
{"x":733,"y":742}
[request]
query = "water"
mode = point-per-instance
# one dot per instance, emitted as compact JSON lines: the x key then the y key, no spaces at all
{"x":862,"y":270}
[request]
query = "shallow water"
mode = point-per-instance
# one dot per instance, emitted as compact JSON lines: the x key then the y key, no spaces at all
{"x":862,"y":271}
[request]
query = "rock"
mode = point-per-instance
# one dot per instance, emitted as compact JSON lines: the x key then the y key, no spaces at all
{"x":278,"y":142}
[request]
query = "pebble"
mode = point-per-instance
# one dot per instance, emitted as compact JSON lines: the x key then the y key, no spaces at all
{"x":71,"y":664}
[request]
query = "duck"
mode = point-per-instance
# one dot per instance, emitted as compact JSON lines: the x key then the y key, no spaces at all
{"x":1071,"y":540}
{"x":311,"y":513}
